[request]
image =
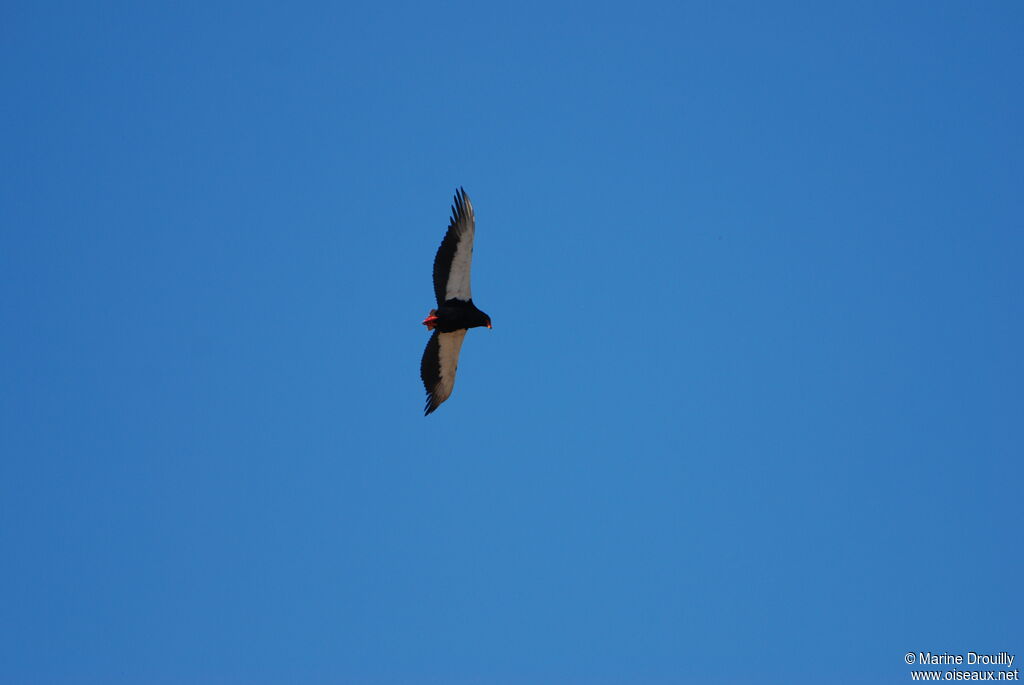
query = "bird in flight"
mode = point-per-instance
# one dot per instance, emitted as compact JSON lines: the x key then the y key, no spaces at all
{"x":455,"y":312}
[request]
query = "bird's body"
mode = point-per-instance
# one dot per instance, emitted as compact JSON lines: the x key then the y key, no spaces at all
{"x":455,"y":312}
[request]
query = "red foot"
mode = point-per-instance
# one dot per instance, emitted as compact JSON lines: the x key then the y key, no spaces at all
{"x":431,"y":321}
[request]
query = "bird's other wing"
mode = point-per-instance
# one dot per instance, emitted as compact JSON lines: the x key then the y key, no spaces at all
{"x":437,"y":369}
{"x":454,"y":257}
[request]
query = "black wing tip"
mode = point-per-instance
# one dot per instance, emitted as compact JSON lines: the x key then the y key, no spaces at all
{"x":459,"y":207}
{"x":430,"y":406}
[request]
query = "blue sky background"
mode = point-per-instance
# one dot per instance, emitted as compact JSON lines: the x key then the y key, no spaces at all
{"x":751,"y":410}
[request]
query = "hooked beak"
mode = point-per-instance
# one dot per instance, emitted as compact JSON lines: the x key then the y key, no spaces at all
{"x":488,"y":324}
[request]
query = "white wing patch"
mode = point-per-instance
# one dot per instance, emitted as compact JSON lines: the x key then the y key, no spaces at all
{"x":449,"y":345}
{"x":458,"y":275}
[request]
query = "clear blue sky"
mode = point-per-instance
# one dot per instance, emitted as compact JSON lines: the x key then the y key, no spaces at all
{"x":751,"y":411}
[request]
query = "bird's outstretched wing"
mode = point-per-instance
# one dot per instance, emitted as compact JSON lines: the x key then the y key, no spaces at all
{"x":437,"y":369}
{"x":454,"y":257}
